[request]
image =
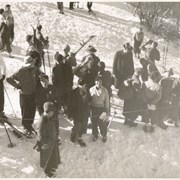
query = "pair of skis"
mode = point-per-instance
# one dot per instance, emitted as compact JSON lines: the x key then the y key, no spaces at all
{"x":15,"y":131}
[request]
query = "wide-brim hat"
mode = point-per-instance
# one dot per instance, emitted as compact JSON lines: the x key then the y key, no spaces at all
{"x":91,"y":49}
{"x":28,"y":60}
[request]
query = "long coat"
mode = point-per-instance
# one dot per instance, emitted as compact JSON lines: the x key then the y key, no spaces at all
{"x":78,"y":104}
{"x":123,"y":66}
{"x":62,"y":78}
{"x":132,"y":107}
{"x":47,"y":135}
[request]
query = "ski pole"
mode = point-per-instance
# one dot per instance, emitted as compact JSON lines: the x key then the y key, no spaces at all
{"x":49,"y":61}
{"x":43,"y":60}
{"x":50,"y":153}
{"x":9,"y":145}
{"x":112,"y":119}
{"x":9,"y":101}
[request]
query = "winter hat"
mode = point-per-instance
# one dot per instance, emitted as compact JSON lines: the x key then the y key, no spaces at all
{"x":66,"y":47}
{"x":128,"y":46}
{"x":1,"y":11}
{"x":39,"y":27}
{"x":48,"y":106}
{"x":155,"y":44}
{"x":28,"y":38}
{"x":91,"y":49}
{"x":28,"y":60}
{"x":58,"y":57}
{"x":154,"y":75}
{"x":101,"y":65}
{"x":143,"y":61}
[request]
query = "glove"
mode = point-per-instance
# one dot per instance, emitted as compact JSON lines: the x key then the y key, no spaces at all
{"x":3,"y":77}
{"x":44,"y":146}
{"x":19,"y":86}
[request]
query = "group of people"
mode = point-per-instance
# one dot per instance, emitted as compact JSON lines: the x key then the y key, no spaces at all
{"x":6,"y":29}
{"x":144,"y":91}
{"x":60,"y":6}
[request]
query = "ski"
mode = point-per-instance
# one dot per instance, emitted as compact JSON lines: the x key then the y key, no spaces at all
{"x":18,"y":133}
{"x":83,"y":43}
{"x":4,"y":120}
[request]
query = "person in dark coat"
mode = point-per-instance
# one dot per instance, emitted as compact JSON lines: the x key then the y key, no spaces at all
{"x":169,"y":103}
{"x":123,"y":65}
{"x":89,"y":6}
{"x":89,"y":66}
{"x":10,"y":21}
{"x":4,"y":35}
{"x":60,"y":7}
{"x":46,"y":93}
{"x":62,"y":78}
{"x":138,"y":39}
{"x":40,"y":42}
{"x":70,"y":57}
{"x":144,"y":70}
{"x":152,"y":53}
{"x":78,"y":110}
{"x":2,"y":78}
{"x":47,"y":138}
{"x":152,"y":94}
{"x":107,"y":79}
{"x":132,"y":106}
{"x":26,"y":80}
{"x":71,"y":5}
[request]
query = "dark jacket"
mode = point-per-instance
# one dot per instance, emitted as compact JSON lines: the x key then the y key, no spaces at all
{"x":107,"y":81}
{"x":62,"y":78}
{"x":123,"y":66}
{"x":45,"y":94}
{"x":25,"y":79}
{"x":78,"y":104}
{"x":132,"y":106}
{"x":47,"y":135}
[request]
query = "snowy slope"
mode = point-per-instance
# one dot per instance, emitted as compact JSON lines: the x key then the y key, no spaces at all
{"x":129,"y":152}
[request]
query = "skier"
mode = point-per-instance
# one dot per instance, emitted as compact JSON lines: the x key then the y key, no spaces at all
{"x":107,"y":79}
{"x":152,"y":93}
{"x":89,"y":66}
{"x":78,"y":110}
{"x":26,"y":80}
{"x":99,"y":109}
{"x":152,"y":53}
{"x":7,"y":14}
{"x":2,"y":78}
{"x":138,"y":39}
{"x":5,"y":44}
{"x":40,"y":42}
{"x":70,"y":57}
{"x":46,"y":93}
{"x":89,"y":6}
{"x":60,"y":7}
{"x":62,"y":78}
{"x":48,"y":141}
{"x":123,"y":65}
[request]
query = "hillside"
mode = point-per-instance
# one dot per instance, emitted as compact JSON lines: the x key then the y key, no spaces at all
{"x":128,"y":152}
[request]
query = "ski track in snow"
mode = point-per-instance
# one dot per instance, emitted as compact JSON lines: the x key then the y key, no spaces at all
{"x":129,"y":152}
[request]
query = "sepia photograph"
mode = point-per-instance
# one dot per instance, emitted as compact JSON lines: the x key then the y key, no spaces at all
{"x":89,"y":89}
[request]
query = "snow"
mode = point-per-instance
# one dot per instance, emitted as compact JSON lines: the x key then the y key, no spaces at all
{"x":128,"y":152}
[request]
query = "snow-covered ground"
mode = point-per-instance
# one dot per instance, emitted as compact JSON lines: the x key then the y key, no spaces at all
{"x":129,"y":152}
